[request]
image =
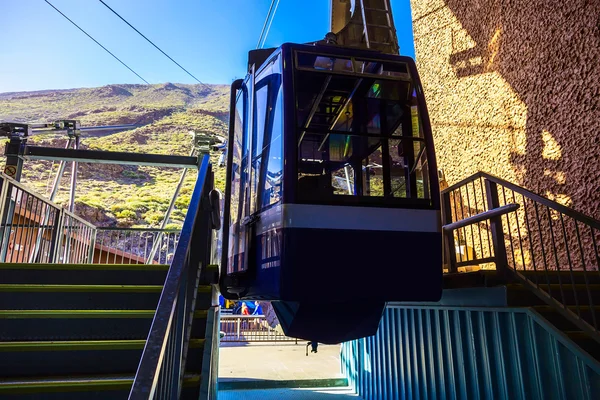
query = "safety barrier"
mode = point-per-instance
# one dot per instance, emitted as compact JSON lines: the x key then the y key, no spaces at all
{"x":135,"y":245}
{"x":549,"y":248}
{"x":161,"y":369}
{"x":76,"y":240}
{"x":250,"y":328}
{"x":34,"y":229}
{"x":443,"y":352}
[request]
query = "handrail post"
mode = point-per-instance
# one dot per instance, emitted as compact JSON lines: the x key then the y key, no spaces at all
{"x":450,"y":249}
{"x":57,"y":235}
{"x":92,"y":246}
{"x":493,"y":202}
{"x":7,"y":208}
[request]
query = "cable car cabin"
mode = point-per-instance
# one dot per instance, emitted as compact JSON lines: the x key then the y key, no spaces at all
{"x":332,"y":197}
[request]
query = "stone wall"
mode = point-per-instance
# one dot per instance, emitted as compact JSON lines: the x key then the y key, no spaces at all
{"x":513,"y":89}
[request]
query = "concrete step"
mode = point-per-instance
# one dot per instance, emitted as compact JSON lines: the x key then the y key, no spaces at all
{"x":564,"y":324}
{"x":581,"y":277}
{"x":84,"y":274}
{"x":586,"y":342}
{"x":97,"y":387}
{"x":519,"y":295}
{"x":92,"y":297}
{"x":60,"y":325}
{"x":75,"y":358}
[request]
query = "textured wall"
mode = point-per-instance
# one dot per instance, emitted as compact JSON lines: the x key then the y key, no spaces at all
{"x":513,"y":89}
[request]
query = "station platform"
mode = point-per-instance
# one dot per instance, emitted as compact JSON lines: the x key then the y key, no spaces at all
{"x":277,"y":362}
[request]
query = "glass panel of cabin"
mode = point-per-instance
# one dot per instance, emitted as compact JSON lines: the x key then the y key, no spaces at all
{"x":358,"y":132}
{"x":239,"y":147}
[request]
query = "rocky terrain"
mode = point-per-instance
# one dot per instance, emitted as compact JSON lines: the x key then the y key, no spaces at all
{"x":119,"y":195}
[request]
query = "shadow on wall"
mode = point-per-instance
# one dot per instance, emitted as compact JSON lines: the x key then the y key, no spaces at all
{"x":514,"y":89}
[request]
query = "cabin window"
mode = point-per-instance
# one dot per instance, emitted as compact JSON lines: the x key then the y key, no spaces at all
{"x":268,"y":142}
{"x":258,"y":139}
{"x":272,"y":184}
{"x":239,"y":186}
{"x":359,"y":137}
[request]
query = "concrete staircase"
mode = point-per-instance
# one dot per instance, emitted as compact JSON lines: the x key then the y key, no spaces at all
{"x":77,"y":331}
{"x":558,"y":285}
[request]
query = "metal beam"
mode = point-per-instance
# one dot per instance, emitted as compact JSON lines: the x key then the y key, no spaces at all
{"x":108,"y":157}
{"x":51,"y":129}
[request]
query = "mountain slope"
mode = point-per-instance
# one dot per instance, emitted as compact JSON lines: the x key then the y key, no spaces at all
{"x":110,"y":195}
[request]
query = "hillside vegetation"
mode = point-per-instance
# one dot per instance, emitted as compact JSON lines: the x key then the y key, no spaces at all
{"x":119,"y":195}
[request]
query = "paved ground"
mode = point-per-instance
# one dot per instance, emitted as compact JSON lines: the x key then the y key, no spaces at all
{"x":277,"y":361}
{"x":289,"y":394}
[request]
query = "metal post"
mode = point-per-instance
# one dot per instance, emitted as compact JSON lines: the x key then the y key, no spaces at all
{"x":178,"y":332}
{"x":14,"y":163}
{"x":450,"y":251}
{"x":17,"y":134}
{"x":348,"y":180}
{"x":497,"y":232}
{"x":8,"y":206}
{"x":73,"y":177}
{"x":92,"y":246}
{"x":59,"y":173}
{"x":56,"y":238}
{"x":53,"y":193}
{"x":164,"y":222}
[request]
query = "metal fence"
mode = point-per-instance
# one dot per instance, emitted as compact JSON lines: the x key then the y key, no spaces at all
{"x":76,"y":240}
{"x":250,"y":328}
{"x":34,"y":229}
{"x":468,"y":352}
{"x":135,"y":245}
{"x":29,"y":225}
{"x":550,"y":248}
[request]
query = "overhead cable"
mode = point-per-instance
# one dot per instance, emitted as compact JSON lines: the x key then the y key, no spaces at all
{"x":265,"y":24}
{"x":98,"y":43}
{"x":270,"y":23}
{"x":152,"y":43}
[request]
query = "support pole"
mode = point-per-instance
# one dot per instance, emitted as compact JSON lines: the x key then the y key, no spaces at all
{"x":493,"y":202}
{"x":59,"y":173}
{"x":53,"y":193}
{"x":164,"y":222}
{"x":73,"y":177}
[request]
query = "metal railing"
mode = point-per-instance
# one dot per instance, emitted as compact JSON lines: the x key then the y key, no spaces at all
{"x":30,"y":226}
{"x":210,"y":357}
{"x":76,"y":240}
{"x":161,"y":369}
{"x":250,"y":328}
{"x":549,"y":248}
{"x":135,"y":245}
{"x":34,"y":229}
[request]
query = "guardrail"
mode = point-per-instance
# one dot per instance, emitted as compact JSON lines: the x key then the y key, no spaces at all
{"x":250,"y":328}
{"x":135,"y":245}
{"x":549,"y":248}
{"x":160,"y":372}
{"x":76,"y":240}
{"x":31,"y":226}
{"x":34,"y":229}
{"x":468,"y":352}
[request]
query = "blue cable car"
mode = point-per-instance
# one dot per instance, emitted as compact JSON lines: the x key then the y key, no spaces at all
{"x":332,"y":203}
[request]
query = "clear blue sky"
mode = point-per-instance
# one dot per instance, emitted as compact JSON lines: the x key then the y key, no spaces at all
{"x":39,"y":49}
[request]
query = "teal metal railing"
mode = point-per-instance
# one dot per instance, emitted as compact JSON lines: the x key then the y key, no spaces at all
{"x":429,"y":352}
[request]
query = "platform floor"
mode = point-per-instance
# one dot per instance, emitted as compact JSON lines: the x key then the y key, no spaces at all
{"x":277,"y":361}
{"x":289,"y":394}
